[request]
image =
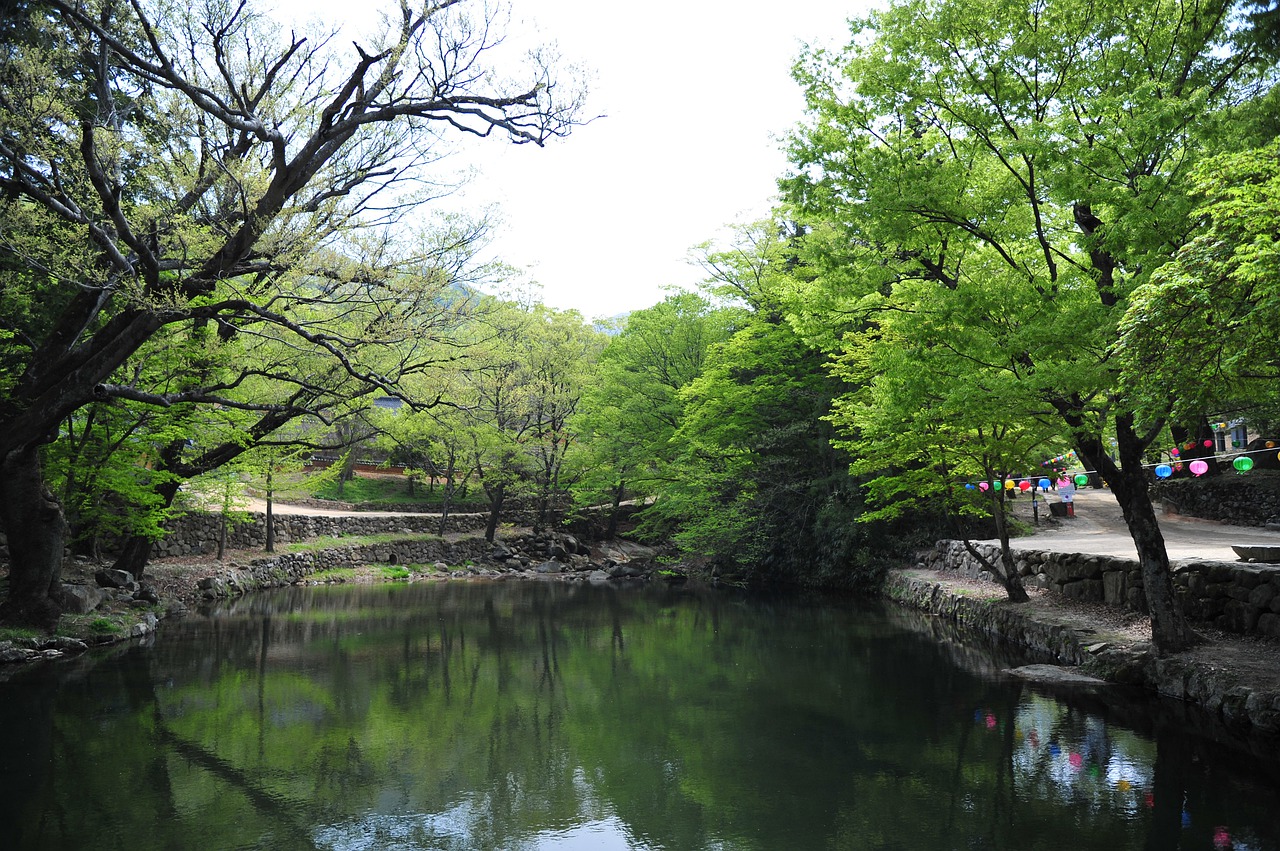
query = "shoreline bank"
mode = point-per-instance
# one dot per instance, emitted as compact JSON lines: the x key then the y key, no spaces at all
{"x":1233,"y":679}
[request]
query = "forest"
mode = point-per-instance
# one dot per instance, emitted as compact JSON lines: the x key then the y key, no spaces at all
{"x":1007,"y":231}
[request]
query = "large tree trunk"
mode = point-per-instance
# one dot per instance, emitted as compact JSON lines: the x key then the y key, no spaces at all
{"x":611,"y":531}
{"x":496,"y":497}
{"x":36,"y":530}
{"x":1170,"y":630}
{"x":447,"y":490}
{"x":1008,"y":572}
{"x":134,"y":555}
{"x":136,"y":552}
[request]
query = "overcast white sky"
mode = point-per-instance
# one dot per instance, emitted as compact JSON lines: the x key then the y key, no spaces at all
{"x":697,"y":95}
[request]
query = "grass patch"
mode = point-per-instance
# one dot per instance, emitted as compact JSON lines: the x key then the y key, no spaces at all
{"x":334,"y":574}
{"x":330,"y":542}
{"x":393,"y":571}
{"x":19,"y":633}
{"x":104,"y":626}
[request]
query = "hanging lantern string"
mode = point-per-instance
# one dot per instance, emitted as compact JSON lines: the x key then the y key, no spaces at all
{"x":1064,"y":476}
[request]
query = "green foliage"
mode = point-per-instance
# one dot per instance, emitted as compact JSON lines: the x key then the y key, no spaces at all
{"x":983,"y":186}
{"x":631,"y":407}
{"x":1202,"y":331}
{"x":748,"y":476}
{"x":762,"y":490}
{"x":373,"y":489}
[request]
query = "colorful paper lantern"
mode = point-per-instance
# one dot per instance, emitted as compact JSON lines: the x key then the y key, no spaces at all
{"x":1244,"y":463}
{"x":1044,"y":484}
{"x":1174,"y":452}
{"x":1199,"y":468}
{"x":1081,"y":480}
{"x":983,"y":486}
{"x":1208,"y":444}
{"x":1024,"y":486}
{"x":1009,"y":484}
{"x":968,"y":486}
{"x":1164,"y":471}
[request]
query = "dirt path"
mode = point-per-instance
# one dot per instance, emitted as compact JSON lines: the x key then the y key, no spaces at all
{"x":282,"y":508}
{"x":1099,"y":529}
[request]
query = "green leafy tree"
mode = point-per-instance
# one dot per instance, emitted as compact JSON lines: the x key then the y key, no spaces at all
{"x":558,"y":350}
{"x":1052,"y":141}
{"x":631,"y":406}
{"x":753,"y":482}
{"x":1202,"y":331}
{"x":194,"y":174}
{"x":926,"y":421}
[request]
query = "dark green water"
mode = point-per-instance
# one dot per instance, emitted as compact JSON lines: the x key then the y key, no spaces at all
{"x":545,"y":716}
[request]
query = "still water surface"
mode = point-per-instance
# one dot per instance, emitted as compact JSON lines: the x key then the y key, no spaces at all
{"x":529,"y":716}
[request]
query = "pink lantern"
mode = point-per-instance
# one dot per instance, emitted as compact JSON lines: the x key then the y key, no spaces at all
{"x":983,"y":486}
{"x":1199,"y":468}
{"x":1208,"y":443}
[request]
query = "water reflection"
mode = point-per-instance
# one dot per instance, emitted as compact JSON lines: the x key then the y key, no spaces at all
{"x":545,"y":716}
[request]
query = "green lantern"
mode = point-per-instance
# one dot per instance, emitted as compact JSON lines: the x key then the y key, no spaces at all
{"x":1081,"y":480}
{"x":1244,"y":463}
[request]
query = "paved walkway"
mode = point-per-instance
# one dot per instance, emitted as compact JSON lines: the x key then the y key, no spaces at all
{"x":1099,"y":529}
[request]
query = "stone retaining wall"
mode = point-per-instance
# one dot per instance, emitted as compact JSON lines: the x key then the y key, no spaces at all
{"x":195,"y":534}
{"x":1249,"y":500}
{"x":291,"y":568}
{"x":1232,"y":596}
{"x":1057,"y":642}
{"x":1239,"y":707}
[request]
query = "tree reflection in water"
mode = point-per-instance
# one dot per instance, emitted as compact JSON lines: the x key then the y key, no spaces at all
{"x":549,"y":716}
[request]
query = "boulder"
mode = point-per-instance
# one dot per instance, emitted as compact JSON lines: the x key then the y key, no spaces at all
{"x":1056,"y":675}
{"x":549,"y":567}
{"x":81,"y":599}
{"x":115,"y":579}
{"x":1257,"y":553}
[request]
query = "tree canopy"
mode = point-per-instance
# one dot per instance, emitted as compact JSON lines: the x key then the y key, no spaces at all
{"x":189,"y":170}
{"x":1018,"y":171}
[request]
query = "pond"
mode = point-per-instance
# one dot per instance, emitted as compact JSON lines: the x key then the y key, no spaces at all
{"x":551,"y":716}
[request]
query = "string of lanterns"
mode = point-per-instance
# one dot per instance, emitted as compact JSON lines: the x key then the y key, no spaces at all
{"x":1242,"y":464}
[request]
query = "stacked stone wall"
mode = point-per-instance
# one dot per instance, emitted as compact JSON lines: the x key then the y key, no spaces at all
{"x":1239,"y":707}
{"x":291,"y":568}
{"x":195,"y":534}
{"x":1232,"y":596}
{"x":1247,"y":500}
